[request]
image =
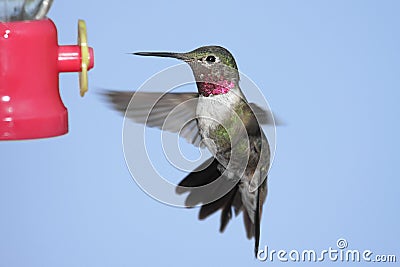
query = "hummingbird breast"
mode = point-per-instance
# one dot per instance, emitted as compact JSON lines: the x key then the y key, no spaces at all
{"x":229,"y":129}
{"x":221,"y":124}
{"x":214,"y":112}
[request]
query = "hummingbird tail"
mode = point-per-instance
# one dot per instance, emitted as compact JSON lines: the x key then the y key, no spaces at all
{"x":257,"y":223}
{"x":209,"y":172}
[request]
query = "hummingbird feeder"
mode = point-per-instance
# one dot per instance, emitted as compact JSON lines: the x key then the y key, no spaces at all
{"x":30,"y":63}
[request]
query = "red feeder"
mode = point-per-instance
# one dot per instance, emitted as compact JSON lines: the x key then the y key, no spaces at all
{"x":30,"y":62}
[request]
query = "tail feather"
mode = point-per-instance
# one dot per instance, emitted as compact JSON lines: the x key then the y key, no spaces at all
{"x":257,"y":223}
{"x":209,"y":172}
{"x":248,"y":224}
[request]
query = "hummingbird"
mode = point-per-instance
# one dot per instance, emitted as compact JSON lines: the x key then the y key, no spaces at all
{"x":220,"y":118}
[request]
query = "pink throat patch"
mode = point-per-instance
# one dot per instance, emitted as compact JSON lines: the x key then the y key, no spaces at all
{"x":222,"y":87}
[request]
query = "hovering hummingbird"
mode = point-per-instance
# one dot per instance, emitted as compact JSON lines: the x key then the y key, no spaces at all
{"x":223,"y":121}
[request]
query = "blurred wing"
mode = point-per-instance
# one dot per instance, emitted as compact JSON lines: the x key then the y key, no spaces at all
{"x":173,"y":112}
{"x":263,"y":116}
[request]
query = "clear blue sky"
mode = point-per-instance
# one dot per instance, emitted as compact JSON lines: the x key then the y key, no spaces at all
{"x":329,"y":69}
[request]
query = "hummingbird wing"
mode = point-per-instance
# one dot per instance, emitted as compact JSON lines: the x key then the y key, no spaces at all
{"x":239,"y":198}
{"x":173,"y":112}
{"x":265,"y":117}
{"x":207,"y":173}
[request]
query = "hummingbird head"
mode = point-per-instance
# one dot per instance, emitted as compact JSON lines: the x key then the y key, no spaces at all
{"x":214,"y":68}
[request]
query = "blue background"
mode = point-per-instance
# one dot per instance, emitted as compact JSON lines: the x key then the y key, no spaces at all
{"x":329,"y":69}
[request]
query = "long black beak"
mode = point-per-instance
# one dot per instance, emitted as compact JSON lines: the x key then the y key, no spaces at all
{"x":181,"y":56}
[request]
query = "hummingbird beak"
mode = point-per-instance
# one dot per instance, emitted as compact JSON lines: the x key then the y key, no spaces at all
{"x":181,"y":56}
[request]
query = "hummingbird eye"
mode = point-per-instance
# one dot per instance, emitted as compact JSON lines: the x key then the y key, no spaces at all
{"x":211,"y":59}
